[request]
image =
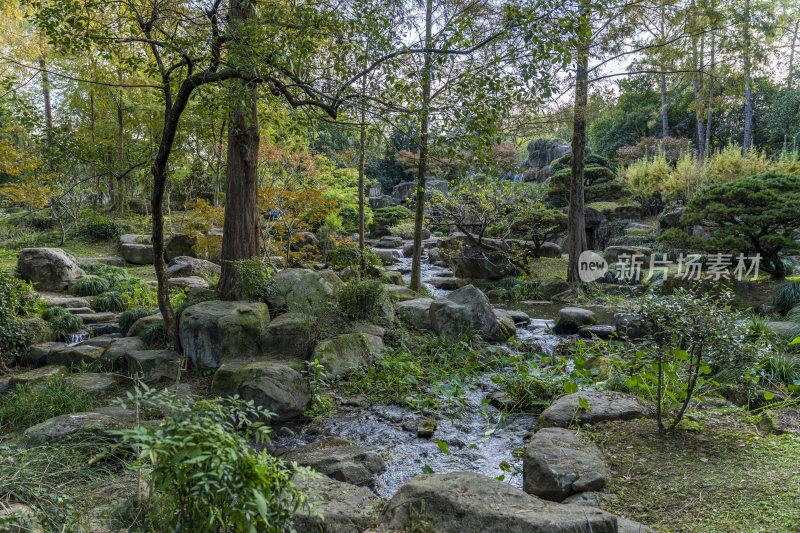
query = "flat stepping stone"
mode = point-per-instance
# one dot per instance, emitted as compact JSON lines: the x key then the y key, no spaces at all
{"x":601,"y":332}
{"x":103,"y":341}
{"x":69,"y":302}
{"x":79,"y":310}
{"x":36,"y":355}
{"x":75,"y":355}
{"x":31,"y":377}
{"x":94,"y":318}
{"x":603,"y":406}
{"x":339,"y":459}
{"x":557,"y":464}
{"x":93,"y":382}
{"x":65,"y":425}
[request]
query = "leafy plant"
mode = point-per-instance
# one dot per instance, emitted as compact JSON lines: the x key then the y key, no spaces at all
{"x":349,"y":255}
{"x":129,"y":317}
{"x":253,"y":280}
{"x":111,"y":301}
{"x":203,"y":464}
{"x":89,"y":286}
{"x":17,"y":299}
{"x":361,"y":299}
{"x":62,"y":321}
{"x":155,"y":335}
{"x":96,"y":228}
{"x":529,"y":389}
{"x":786,"y":295}
{"x":321,"y":405}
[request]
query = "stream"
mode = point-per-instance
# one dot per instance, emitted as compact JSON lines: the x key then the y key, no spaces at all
{"x":478,"y":437}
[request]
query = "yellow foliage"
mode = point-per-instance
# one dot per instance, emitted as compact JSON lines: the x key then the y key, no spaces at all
{"x":15,"y":162}
{"x":28,"y":195}
{"x":729,"y":164}
{"x":647,"y":176}
{"x":202,"y":217}
{"x":789,"y":163}
{"x":686,"y":179}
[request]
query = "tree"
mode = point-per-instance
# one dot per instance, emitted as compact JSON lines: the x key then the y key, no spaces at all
{"x":756,"y":214}
{"x":539,"y":225}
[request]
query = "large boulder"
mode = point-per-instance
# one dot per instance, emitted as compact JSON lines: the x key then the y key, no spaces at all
{"x":75,"y":355}
{"x":153,"y":365}
{"x":138,"y":254}
{"x":299,"y":290}
{"x":416,"y":312}
{"x":49,"y":269}
{"x":465,"y":309}
{"x":558,"y":463}
{"x":116,"y":354}
{"x":402,"y":191}
{"x":268,"y":383}
{"x":458,"y":502}
{"x":670,"y":217}
{"x":143,"y":323}
{"x":344,"y":508}
{"x":345,"y":353}
{"x":36,"y":355}
{"x":180,"y":245}
{"x":290,"y":335}
{"x":185,"y":266}
{"x":572,"y":319}
{"x":216,"y":331}
{"x":603,"y":406}
{"x":612,"y":254}
{"x":37,"y":375}
{"x":65,"y":425}
{"x":633,"y":325}
{"x":339,"y":459}
{"x":470,"y":261}
{"x":390,"y":241}
{"x":187,"y":283}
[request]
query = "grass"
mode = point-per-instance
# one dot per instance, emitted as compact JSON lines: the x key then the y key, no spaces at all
{"x":26,"y":406}
{"x":726,"y":477}
{"x":548,"y":268}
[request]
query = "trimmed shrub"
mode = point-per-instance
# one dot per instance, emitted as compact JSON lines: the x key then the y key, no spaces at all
{"x":155,"y":335}
{"x":129,"y":317}
{"x":111,"y":301}
{"x":89,"y":286}
{"x":349,"y":255}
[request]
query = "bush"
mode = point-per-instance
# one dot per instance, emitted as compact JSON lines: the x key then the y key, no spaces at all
{"x":110,"y":301}
{"x":361,"y":299}
{"x":222,"y":484}
{"x":89,"y":286}
{"x":385,"y":217}
{"x":599,"y":180}
{"x":111,"y":273}
{"x":27,"y":405}
{"x":729,"y":164}
{"x":349,"y":255}
{"x":129,"y":317}
{"x":136,"y":293}
{"x":253,"y":280}
{"x":62,"y":321}
{"x":155,"y":335}
{"x":786,"y":295}
{"x":17,"y":299}
{"x":648,"y":176}
{"x":99,"y":228}
{"x":403,"y":229}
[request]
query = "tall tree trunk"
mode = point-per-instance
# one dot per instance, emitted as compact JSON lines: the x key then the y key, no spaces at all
{"x":747,"y":142}
{"x":240,"y":232}
{"x":790,"y":76}
{"x":416,"y":261}
{"x":362,"y":143}
{"x":120,"y":147}
{"x":664,"y":107}
{"x":698,"y":87}
{"x":576,"y":239}
{"x":711,"y":75}
{"x":48,"y":110}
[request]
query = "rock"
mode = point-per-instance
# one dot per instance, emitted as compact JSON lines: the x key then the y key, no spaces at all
{"x":590,"y":499}
{"x":184,"y":266}
{"x":445,"y":284}
{"x":632,"y":326}
{"x":550,"y":288}
{"x":670,"y":217}
{"x":80,"y":310}
{"x":402,"y":191}
{"x":571,"y":319}
{"x":395,"y":277}
{"x":408,"y":249}
{"x":519,"y":317}
{"x":434,"y":256}
{"x":32,"y":377}
{"x":298,"y":290}
{"x":345,"y":353}
{"x":508,"y":328}
{"x":557,"y":463}
{"x":191,"y":282}
{"x":290,"y":335}
{"x":424,"y":428}
{"x":143,"y":323}
{"x":345,"y":508}
{"x":781,"y":422}
{"x":460,"y":502}
{"x":116,"y":355}
{"x":92,"y":382}
{"x":604,"y":405}
{"x":133,"y":238}
{"x":66,"y":425}
{"x":416,"y":312}
{"x":468,"y":260}
{"x":36,"y":355}
{"x":388,"y":257}
{"x":110,"y":261}
{"x":339,"y":459}
{"x":612,"y":254}
{"x":550,"y":249}
{"x":103,"y":341}
{"x":138,"y":254}
{"x":370,"y":329}
{"x":629,"y":526}
{"x":75,"y":355}
{"x":180,"y":245}
{"x":96,"y":318}
{"x":601,"y":332}
{"x":18,"y":518}
{"x":153,"y":365}
{"x":390,"y":241}
{"x":68,"y":302}
{"x":270,"y":384}
{"x":401,"y":293}
{"x":49,"y":269}
{"x":216,"y":331}
{"x":465,"y":309}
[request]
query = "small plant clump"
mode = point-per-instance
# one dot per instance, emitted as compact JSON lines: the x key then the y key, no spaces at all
{"x":155,"y":335}
{"x":62,"y":321}
{"x":90,"y":286}
{"x":128,"y":318}
{"x":361,"y":299}
{"x":110,"y":301}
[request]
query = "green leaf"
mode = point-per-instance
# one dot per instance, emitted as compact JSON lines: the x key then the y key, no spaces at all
{"x":705,"y":369}
{"x":768,"y":395}
{"x":570,"y":387}
{"x":443,"y":446}
{"x":584,"y":403}
{"x":427,"y":469}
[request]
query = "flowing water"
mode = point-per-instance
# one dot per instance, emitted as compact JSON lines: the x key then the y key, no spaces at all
{"x":475,"y":437}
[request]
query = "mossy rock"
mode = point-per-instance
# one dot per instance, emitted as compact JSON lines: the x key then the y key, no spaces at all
{"x":345,"y":353}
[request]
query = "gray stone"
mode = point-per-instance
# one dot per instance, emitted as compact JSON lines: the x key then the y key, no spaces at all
{"x":403,"y":190}
{"x":416,"y":312}
{"x":268,"y":383}
{"x":401,"y":293}
{"x":18,"y":518}
{"x":632,"y":326}
{"x":601,"y":332}
{"x":36,"y":355}
{"x":96,"y":318}
{"x":33,"y":377}
{"x":388,"y":257}
{"x":423,"y":428}
{"x":471,"y":261}
{"x":68,"y":302}
{"x":153,"y":365}
{"x":49,"y":269}
{"x":343,"y":354}
{"x":571,"y":319}
{"x":508,"y":328}
{"x":290,"y":335}
{"x":190,"y":282}
{"x":519,"y":317}
{"x":550,"y":288}
{"x":345,"y":508}
{"x":143,"y":323}
{"x":612,"y":254}
{"x":445,"y":284}
{"x":216,"y":331}
{"x":66,"y":425}
{"x":110,"y":261}
{"x":390,"y":241}
{"x":180,"y":245}
{"x":299,"y":290}
{"x":460,"y":502}
{"x":134,"y":238}
{"x":604,"y":406}
{"x":92,"y":382}
{"x":339,"y":459}
{"x":557,"y":463}
{"x":465,"y":309}
{"x":670,"y":217}
{"x":75,"y":355}
{"x":185,"y":266}
{"x":370,"y":329}
{"x":138,"y":254}
{"x":116,"y":355}
{"x":103,"y":341}
{"x":550,"y":249}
